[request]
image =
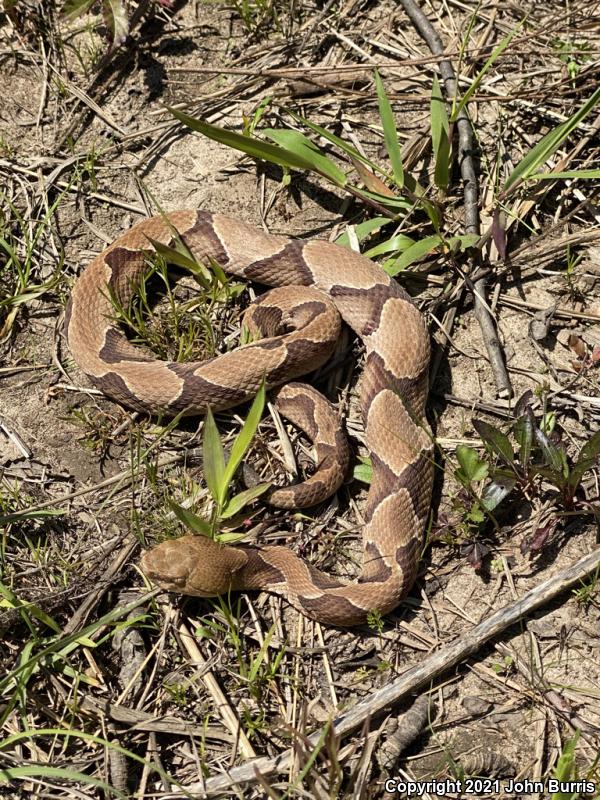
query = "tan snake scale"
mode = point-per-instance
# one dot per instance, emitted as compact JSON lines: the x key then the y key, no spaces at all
{"x":301,"y":323}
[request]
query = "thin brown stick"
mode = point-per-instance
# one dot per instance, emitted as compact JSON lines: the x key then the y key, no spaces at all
{"x":410,"y":681}
{"x":471,"y":195}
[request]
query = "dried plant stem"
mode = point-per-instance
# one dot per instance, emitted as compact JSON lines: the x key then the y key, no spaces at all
{"x":471,"y":195}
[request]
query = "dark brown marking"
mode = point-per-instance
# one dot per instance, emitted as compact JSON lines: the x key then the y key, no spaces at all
{"x":326,"y":453}
{"x":371,"y":302}
{"x":271,"y":344}
{"x":300,"y":411}
{"x":218,"y":397}
{"x":114,"y":351}
{"x":343,"y":448}
{"x":304,"y":313}
{"x":267,"y":319}
{"x":334,"y":610}
{"x":288,"y":265}
{"x":260,"y":566}
{"x":126,"y":266}
{"x":114,"y":386}
{"x":203,"y":241}
{"x":321,"y":580}
{"x":376,"y":376}
{"x":385,"y":483}
{"x":302,"y":356}
{"x":374,"y":565}
{"x":407,"y":554}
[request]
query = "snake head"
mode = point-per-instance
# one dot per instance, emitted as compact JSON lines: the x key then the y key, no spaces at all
{"x":194,"y":565}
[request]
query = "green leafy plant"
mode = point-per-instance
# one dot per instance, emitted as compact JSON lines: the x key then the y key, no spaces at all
{"x":565,"y":769}
{"x":19,"y":261}
{"x":573,"y":55}
{"x":527,"y":460}
{"x":394,"y":194}
{"x":219,"y":473}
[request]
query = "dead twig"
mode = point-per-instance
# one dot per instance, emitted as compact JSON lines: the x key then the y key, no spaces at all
{"x":471,"y":195}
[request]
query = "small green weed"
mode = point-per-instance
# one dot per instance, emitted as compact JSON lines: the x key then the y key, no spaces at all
{"x":375,"y":621}
{"x":256,"y":670}
{"x":573,"y":55}
{"x":173,"y":329}
{"x":503,"y":667}
{"x":528,"y":461}
{"x":257,"y":14}
{"x":586,"y":594}
{"x":219,"y":475}
{"x":20,"y":242}
{"x":98,"y":427}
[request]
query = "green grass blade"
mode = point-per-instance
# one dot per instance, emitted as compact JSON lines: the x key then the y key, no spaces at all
{"x":260,"y":656}
{"x":300,"y":145}
{"x":573,"y":173}
{"x":41,"y":771}
{"x":390,"y":133}
{"x":394,"y":204}
{"x":174,"y":255}
{"x":496,"y":53}
{"x":214,"y":460}
{"x":16,"y":516}
{"x":363,"y":229}
{"x":68,"y":733}
{"x":344,"y":146}
{"x":539,"y":154}
{"x":242,"y":499}
{"x":414,"y":253}
{"x":28,"y":608}
{"x":252,"y":147}
{"x":440,"y":136}
{"x":394,"y":244}
{"x":243,"y":439}
{"x":190,"y":520}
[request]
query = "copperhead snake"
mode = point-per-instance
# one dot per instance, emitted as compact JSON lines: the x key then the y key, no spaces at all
{"x":319,"y":282}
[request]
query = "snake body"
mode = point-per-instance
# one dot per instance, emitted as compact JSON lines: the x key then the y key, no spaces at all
{"x":320,"y":282}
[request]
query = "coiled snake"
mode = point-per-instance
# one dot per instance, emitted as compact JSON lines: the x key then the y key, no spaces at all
{"x":320,"y":282}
